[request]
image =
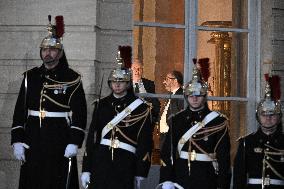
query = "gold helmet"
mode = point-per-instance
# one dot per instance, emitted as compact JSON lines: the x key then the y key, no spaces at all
{"x":122,"y":73}
{"x":198,"y":86}
{"x":270,"y":105}
{"x":55,"y":33}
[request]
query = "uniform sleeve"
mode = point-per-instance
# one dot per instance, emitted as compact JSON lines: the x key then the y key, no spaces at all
{"x":90,"y":144}
{"x":223,"y":159}
{"x":79,"y":116}
{"x":19,"y":117}
{"x":239,"y":171}
{"x":144,"y":148}
{"x":167,"y":154}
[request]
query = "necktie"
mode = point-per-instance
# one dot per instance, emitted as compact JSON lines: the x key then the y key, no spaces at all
{"x":136,"y":89}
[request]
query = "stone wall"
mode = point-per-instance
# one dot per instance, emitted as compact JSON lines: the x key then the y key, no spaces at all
{"x":93,"y":32}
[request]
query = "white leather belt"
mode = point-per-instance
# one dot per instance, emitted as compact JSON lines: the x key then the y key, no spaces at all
{"x":267,"y":181}
{"x":118,"y":144}
{"x":195,"y":156}
{"x":43,"y":114}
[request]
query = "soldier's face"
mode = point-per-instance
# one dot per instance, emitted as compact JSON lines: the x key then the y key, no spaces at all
{"x":137,"y":71}
{"x":268,"y":121}
{"x":50,"y":57}
{"x":196,"y":102}
{"x":119,"y":87}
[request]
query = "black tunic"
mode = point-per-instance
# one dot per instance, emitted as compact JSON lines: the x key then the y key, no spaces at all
{"x":202,"y":174}
{"x":45,"y":166}
{"x":248,"y":162}
{"x":117,"y":168}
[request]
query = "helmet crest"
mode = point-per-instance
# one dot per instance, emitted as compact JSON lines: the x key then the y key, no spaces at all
{"x":55,"y":34}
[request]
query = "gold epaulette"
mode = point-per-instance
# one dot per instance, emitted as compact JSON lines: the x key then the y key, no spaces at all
{"x":241,"y":137}
{"x":178,"y":112}
{"x":147,"y":157}
{"x":96,"y":100}
{"x":29,"y":70}
{"x":163,"y":164}
{"x":148,"y":104}
{"x":222,"y":115}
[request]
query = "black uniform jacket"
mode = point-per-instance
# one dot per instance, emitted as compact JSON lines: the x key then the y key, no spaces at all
{"x":213,"y":138}
{"x":249,"y":159}
{"x":57,"y":90}
{"x":115,"y":167}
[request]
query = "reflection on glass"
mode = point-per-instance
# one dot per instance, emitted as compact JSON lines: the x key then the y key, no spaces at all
{"x":161,"y":50}
{"x":227,"y":52}
{"x":236,"y":120}
{"x":230,"y":10}
{"x":220,"y":84}
{"x":160,"y":11}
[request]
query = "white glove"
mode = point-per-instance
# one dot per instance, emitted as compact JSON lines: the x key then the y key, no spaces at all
{"x":19,"y":150}
{"x":71,"y":150}
{"x":168,"y":185}
{"x":138,"y":180}
{"x":85,"y":179}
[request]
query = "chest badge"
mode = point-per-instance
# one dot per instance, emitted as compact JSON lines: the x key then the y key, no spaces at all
{"x":55,"y":91}
{"x":258,"y":150}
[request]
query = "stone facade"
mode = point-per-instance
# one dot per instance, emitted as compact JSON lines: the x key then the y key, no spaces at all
{"x":94,"y":29}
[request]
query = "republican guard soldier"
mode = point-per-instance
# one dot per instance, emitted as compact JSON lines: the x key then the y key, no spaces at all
{"x":49,"y":118}
{"x":119,"y":143}
{"x":259,"y":162}
{"x":196,"y":152}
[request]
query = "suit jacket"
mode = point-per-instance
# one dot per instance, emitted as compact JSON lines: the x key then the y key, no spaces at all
{"x":176,"y":105}
{"x":150,"y":88}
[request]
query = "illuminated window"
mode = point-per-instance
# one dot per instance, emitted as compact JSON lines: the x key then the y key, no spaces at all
{"x":167,"y":34}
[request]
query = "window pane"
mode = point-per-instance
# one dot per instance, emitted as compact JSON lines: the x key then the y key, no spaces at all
{"x":237,"y":120}
{"x":161,"y":50}
{"x":160,"y":11}
{"x":223,"y":13}
{"x":227,"y":52}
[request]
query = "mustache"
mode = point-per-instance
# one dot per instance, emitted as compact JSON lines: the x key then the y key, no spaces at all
{"x":48,"y":59}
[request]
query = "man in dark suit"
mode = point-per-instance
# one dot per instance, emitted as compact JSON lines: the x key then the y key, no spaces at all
{"x":173,"y":83}
{"x":143,"y":85}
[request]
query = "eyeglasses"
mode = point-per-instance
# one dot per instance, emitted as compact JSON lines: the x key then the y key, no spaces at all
{"x":169,"y":78}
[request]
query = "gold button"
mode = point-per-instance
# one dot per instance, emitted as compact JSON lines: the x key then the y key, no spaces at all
{"x":44,"y":91}
{"x":267,"y":142}
{"x":43,"y":99}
